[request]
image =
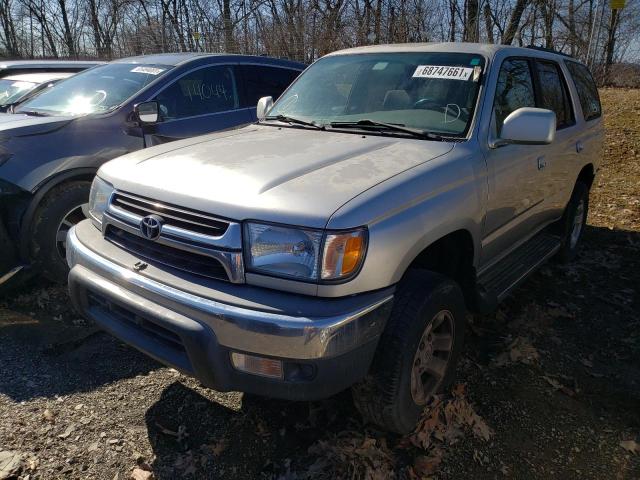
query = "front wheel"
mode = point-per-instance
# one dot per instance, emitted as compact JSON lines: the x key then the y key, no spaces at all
{"x":417,"y":353}
{"x":60,"y":210}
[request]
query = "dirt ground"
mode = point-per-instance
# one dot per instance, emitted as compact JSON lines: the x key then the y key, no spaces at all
{"x":549,"y":386}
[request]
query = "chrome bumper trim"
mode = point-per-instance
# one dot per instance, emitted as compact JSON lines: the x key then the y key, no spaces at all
{"x":238,"y":328}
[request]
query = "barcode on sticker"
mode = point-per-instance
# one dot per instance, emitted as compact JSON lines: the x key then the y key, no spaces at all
{"x":148,"y":70}
{"x":439,"y":71}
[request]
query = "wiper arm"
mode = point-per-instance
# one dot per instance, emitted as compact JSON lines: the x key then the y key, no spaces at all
{"x":367,"y":123}
{"x":288,"y":119}
{"x":33,"y":113}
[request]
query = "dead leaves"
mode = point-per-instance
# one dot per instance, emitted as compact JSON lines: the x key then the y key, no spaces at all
{"x":630,"y":446}
{"x":352,"y":456}
{"x":10,"y":464}
{"x":425,"y":465}
{"x":559,"y":386}
{"x":140,"y":474}
{"x":443,"y":424}
{"x":518,"y":350}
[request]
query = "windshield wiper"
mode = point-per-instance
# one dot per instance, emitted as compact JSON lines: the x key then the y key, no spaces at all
{"x":33,"y":113}
{"x":297,"y":121}
{"x":368,"y":123}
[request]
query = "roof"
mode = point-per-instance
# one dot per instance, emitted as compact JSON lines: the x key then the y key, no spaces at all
{"x":46,"y":64}
{"x":38,"y":77}
{"x":163,"y":58}
{"x":175,"y":59}
{"x":487,"y":49}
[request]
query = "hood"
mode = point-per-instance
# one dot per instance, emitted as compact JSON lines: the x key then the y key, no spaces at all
{"x":15,"y":124}
{"x":287,"y":175}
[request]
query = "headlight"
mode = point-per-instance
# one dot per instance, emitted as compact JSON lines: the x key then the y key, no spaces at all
{"x":303,"y":254}
{"x":99,"y":199}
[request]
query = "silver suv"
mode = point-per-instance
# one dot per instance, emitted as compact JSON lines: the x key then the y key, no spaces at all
{"x":339,"y":241}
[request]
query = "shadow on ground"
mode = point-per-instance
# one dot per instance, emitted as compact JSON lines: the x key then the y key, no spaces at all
{"x":49,"y":351}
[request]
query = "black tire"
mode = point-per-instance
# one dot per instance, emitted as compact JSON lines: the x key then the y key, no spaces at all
{"x":46,"y":252}
{"x":569,"y":229}
{"x":385,"y":396}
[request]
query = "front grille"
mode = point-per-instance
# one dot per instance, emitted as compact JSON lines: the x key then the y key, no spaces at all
{"x":179,"y":217}
{"x":156,"y":254}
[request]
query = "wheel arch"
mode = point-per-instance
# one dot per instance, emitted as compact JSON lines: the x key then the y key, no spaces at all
{"x":452,"y":255}
{"x":40,"y":192}
{"x":587,"y":175}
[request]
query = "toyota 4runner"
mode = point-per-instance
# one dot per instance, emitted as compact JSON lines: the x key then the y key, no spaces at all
{"x":339,"y":241}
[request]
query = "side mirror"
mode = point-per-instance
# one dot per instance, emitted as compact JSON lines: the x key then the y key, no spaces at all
{"x":147,"y":112}
{"x":263,"y":107}
{"x":528,"y":126}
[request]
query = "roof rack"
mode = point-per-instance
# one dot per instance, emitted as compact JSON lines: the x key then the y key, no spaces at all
{"x":548,"y":50}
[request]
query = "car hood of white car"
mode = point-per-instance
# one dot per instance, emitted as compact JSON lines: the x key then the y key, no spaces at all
{"x":271,"y":173}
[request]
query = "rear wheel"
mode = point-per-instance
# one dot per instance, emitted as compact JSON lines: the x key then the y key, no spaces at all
{"x":573,"y":222}
{"x":417,"y":353}
{"x":60,"y":210}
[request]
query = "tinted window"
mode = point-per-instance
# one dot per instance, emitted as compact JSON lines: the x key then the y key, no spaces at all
{"x":203,"y":91}
{"x":587,"y":91}
{"x":553,"y":93}
{"x":266,"y":81}
{"x":514,"y":89}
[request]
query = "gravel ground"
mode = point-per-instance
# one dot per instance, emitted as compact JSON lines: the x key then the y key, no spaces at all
{"x":549,"y":386}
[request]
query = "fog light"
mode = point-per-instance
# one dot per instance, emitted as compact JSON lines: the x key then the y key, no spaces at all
{"x":266,"y":367}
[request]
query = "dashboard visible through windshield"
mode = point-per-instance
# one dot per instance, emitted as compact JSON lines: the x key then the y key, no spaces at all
{"x":429,"y":91}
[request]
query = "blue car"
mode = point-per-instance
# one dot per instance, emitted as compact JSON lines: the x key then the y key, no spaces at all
{"x":53,"y":144}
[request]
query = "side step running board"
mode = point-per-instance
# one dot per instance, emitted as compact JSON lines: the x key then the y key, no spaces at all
{"x":497,"y":282}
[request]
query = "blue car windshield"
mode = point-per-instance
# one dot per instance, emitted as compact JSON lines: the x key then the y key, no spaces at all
{"x":96,"y":90}
{"x":429,"y":91}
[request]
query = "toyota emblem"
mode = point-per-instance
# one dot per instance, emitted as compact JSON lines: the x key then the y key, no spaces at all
{"x":151,"y":226}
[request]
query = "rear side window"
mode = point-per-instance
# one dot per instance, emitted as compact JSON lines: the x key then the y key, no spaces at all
{"x":553,"y":93}
{"x":262,"y":81}
{"x":587,"y":90}
{"x":514,"y":89}
{"x":203,"y":91}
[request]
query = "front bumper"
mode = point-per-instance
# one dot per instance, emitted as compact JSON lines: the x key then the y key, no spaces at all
{"x":326,"y":345}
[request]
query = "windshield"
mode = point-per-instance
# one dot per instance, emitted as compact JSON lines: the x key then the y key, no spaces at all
{"x":12,"y":90}
{"x":433,"y":92}
{"x":97,"y":90}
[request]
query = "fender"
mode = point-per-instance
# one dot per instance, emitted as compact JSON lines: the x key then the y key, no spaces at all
{"x":86,"y":173}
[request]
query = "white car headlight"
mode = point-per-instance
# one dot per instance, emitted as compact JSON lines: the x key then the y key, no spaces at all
{"x":304,"y":254}
{"x":99,"y":199}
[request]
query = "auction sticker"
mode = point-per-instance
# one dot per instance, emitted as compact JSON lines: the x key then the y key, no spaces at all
{"x":439,"y":71}
{"x":148,"y":70}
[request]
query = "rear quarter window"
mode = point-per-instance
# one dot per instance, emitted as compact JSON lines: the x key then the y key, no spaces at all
{"x":587,"y":90}
{"x":554,"y":94}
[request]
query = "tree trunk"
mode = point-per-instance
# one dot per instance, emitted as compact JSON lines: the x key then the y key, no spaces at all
{"x":227,"y":25}
{"x":68,"y":37}
{"x":514,"y":22}
{"x":471,"y":24}
{"x":611,"y":42}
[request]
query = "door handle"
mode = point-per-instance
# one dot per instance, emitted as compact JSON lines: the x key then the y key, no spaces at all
{"x":579,"y":146}
{"x":542,"y":162}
